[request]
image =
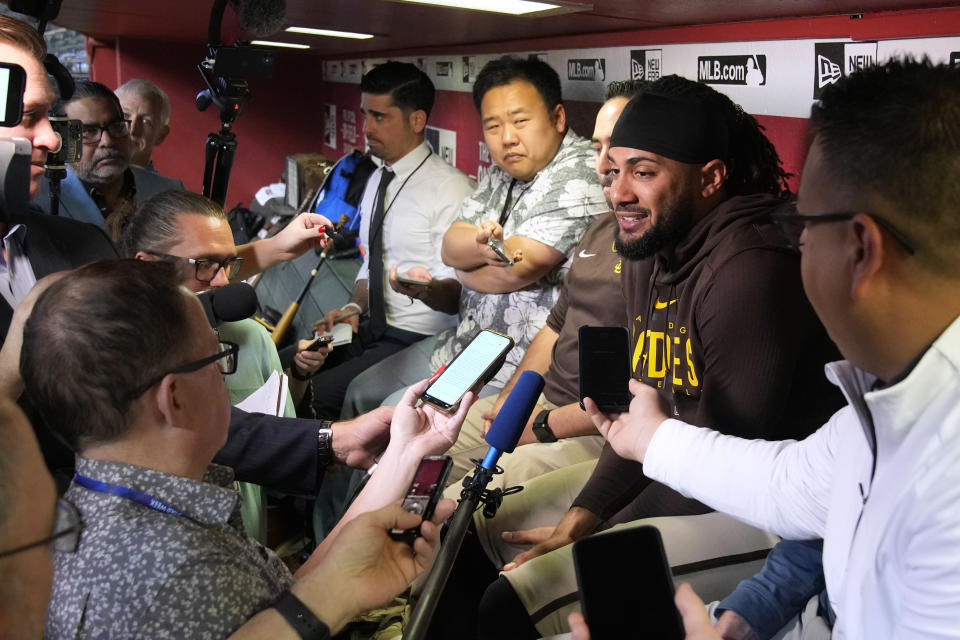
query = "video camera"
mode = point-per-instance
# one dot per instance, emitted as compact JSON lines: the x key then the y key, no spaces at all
{"x":226,"y":71}
{"x":15,"y":152}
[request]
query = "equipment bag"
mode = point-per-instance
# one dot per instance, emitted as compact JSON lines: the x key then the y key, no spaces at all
{"x":340,"y":194}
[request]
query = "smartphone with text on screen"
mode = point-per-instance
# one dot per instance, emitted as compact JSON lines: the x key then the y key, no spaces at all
{"x":479,"y":361}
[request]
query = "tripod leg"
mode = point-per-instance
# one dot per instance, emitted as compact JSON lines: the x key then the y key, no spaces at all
{"x":221,"y":178}
{"x":210,"y":152}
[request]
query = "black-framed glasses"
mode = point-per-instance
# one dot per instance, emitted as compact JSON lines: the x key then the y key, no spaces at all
{"x":206,"y":270}
{"x":66,"y":532}
{"x":92,"y":133}
{"x":792,"y":224}
{"x":226,"y":359}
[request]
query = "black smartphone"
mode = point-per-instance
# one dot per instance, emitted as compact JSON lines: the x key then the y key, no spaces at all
{"x":13,"y":80}
{"x":621,"y":574}
{"x":424,"y":493}
{"x":500,"y":250}
{"x":478,"y":362}
{"x":318,"y":342}
{"x":605,"y":368}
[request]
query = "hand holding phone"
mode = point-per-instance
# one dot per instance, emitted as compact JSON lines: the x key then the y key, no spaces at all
{"x":406,"y":279}
{"x":476,"y":364}
{"x":619,"y":571}
{"x":424,"y":493}
{"x":605,"y":368}
{"x":318,"y":342}
{"x":498,"y":248}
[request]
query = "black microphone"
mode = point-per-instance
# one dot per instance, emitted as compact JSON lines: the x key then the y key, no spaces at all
{"x":512,"y":418}
{"x":228,"y":303}
{"x":260,"y":18}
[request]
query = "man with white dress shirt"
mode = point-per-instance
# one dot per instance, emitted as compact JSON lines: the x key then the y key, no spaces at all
{"x":408,"y":204}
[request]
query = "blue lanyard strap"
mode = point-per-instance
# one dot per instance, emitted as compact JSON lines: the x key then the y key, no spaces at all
{"x":130,"y":494}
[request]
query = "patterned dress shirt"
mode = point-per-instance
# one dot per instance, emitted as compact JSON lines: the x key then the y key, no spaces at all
{"x":554,"y":208}
{"x":142,"y":573}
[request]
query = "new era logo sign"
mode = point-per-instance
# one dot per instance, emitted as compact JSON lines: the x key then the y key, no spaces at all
{"x":828,"y":71}
{"x":834,"y":60}
{"x":646,"y":64}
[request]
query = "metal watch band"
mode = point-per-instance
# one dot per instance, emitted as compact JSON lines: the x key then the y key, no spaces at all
{"x":307,"y":625}
{"x":325,"y":442}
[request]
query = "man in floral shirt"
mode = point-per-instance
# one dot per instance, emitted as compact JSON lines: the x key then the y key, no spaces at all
{"x":538,"y":199}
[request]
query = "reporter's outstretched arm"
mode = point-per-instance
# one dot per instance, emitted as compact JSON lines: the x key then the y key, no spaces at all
{"x":302,"y":233}
{"x":363,"y":571}
{"x":630,"y":433}
{"x":415,"y":432}
{"x":358,"y":442}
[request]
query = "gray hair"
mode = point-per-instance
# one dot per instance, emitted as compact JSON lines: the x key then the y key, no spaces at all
{"x":146,"y":88}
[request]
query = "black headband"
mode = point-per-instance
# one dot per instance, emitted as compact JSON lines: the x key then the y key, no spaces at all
{"x":683,"y":128}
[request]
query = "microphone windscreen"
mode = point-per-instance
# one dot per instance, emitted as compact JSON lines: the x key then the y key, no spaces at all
{"x":512,"y":418}
{"x":261,"y":18}
{"x":229,"y":303}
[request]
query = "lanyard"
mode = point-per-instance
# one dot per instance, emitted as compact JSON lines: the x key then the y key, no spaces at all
{"x":507,"y":209}
{"x":402,"y":185}
{"x":130,"y":494}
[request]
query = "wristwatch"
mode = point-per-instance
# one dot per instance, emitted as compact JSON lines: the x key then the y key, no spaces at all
{"x":304,"y":622}
{"x":325,"y":442}
{"x":541,"y":429}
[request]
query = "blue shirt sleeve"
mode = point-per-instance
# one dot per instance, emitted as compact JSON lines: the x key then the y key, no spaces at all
{"x":791,"y":575}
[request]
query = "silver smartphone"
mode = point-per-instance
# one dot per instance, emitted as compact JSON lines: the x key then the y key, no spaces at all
{"x":497,"y":245}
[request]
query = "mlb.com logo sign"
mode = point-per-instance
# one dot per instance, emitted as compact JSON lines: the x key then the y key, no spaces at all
{"x":749,"y":70}
{"x":594,"y":70}
{"x":834,"y":60}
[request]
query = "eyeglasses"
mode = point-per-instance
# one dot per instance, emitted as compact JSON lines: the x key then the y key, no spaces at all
{"x":226,"y":359}
{"x":206,"y":270}
{"x":792,"y":224}
{"x":92,"y":133}
{"x":66,"y":532}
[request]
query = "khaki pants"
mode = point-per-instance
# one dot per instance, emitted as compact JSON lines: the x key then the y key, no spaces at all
{"x":526,"y":462}
{"x":547,"y":585}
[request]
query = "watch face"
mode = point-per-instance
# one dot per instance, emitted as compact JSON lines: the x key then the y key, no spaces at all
{"x":541,"y":430}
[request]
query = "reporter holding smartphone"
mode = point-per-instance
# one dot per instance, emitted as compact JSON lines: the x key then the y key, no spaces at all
{"x":146,"y":429}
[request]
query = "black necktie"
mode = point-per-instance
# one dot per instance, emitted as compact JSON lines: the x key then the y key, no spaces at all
{"x":378,"y":317}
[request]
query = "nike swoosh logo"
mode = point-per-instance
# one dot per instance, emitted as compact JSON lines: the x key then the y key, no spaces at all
{"x":584,"y":254}
{"x":663,"y":305}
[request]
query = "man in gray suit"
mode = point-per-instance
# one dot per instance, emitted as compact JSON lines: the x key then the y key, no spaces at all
{"x":103,"y":188}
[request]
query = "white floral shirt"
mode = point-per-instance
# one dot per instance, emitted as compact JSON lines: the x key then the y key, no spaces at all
{"x":554,"y":208}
